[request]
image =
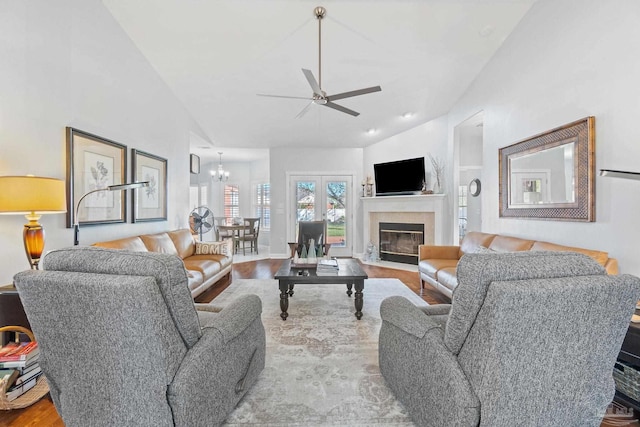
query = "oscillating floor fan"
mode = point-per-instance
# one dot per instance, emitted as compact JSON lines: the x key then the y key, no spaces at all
{"x":200,"y":220}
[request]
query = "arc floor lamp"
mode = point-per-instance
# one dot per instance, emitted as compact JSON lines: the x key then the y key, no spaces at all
{"x":117,"y":187}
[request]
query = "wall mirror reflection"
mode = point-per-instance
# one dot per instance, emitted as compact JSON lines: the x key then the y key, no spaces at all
{"x":551,"y":175}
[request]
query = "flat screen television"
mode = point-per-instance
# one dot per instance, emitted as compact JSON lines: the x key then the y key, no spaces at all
{"x":400,"y":177}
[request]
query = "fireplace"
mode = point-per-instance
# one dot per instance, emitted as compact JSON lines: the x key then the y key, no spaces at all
{"x":427,"y":210}
{"x":399,"y":241}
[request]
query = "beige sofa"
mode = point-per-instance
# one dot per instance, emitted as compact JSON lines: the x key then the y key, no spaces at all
{"x":207,"y":263}
{"x":437,"y":264}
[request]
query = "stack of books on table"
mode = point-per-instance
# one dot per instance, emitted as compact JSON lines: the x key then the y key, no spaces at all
{"x":327,"y":267}
{"x":19,"y":368}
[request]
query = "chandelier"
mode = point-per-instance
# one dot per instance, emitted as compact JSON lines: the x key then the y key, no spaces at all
{"x":221,"y":174}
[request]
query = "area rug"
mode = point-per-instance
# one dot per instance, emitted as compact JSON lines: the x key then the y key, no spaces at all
{"x":322,"y":363}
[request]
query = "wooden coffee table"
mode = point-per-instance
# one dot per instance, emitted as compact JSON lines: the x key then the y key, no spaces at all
{"x":349,"y":272}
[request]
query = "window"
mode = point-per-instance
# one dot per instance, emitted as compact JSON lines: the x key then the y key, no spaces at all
{"x":263,"y":204}
{"x":231,"y":201}
{"x":198,"y":195}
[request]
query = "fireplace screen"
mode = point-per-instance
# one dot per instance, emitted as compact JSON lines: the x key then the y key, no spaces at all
{"x":399,"y":242}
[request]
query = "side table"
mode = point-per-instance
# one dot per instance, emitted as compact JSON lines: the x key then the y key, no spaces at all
{"x":630,"y":355}
{"x":11,"y":311}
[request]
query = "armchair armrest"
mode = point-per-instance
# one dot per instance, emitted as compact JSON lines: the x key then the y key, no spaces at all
{"x":435,"y":310}
{"x":401,"y":313}
{"x":218,"y":370}
{"x":236,"y":317}
{"x":438,"y":252}
{"x":439,"y":391}
{"x":207,"y":307}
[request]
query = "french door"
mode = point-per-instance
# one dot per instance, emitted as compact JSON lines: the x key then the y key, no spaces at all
{"x":324,"y":197}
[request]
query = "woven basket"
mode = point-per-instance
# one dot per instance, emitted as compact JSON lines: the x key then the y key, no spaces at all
{"x":627,"y":380}
{"x":34,"y":394}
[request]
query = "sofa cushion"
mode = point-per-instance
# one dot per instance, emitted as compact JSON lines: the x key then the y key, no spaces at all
{"x":160,"y":243}
{"x":128,"y":243}
{"x":430,"y":267}
{"x":183,"y":242}
{"x":510,"y":244}
{"x":447,"y":277}
{"x":599,"y":256}
{"x":224,"y":260}
{"x":472,"y":240}
{"x":207,"y":267}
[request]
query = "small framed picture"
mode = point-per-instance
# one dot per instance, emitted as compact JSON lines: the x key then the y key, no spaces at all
{"x":150,"y":202}
{"x":194,"y":163}
{"x":93,"y":164}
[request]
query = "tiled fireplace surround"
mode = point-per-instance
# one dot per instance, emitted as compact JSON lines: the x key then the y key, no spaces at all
{"x":419,"y":209}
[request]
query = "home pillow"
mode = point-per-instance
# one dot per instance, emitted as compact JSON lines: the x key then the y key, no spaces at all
{"x":212,"y":248}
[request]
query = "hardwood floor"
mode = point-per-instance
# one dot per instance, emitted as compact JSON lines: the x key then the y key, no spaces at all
{"x":44,"y":414}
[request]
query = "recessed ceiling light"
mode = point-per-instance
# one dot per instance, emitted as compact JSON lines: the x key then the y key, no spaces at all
{"x":372,"y":131}
{"x":407,"y":115}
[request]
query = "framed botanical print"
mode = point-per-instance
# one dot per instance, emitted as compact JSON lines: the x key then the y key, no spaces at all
{"x":150,"y":202}
{"x":93,"y":165}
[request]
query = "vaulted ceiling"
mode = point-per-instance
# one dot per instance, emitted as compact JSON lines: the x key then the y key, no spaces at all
{"x":217,"y":55}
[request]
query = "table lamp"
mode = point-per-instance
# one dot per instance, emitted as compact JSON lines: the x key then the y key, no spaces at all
{"x":117,"y":187}
{"x":32,"y":196}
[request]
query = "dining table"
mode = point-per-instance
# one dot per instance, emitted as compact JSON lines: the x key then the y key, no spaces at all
{"x":233,"y":230}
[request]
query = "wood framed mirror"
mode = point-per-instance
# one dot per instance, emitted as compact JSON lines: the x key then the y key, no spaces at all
{"x":550,"y":176}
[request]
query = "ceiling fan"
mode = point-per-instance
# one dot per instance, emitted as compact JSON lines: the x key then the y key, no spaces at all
{"x":319,"y":96}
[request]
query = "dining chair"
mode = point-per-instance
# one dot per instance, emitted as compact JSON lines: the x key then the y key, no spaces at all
{"x":249,"y":233}
{"x":223,"y":233}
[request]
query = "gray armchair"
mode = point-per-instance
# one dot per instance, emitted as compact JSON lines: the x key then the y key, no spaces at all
{"x":530,"y":339}
{"x":122,"y":343}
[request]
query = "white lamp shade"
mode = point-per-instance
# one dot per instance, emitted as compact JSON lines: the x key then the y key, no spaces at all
{"x":26,"y":194}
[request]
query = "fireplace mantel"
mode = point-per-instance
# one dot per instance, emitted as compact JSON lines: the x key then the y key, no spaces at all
{"x":418,"y":204}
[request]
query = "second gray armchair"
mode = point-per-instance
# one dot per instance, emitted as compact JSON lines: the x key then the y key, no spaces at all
{"x":530,"y":339}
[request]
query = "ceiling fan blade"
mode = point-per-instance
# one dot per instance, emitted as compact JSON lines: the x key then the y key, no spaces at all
{"x":341,"y":108}
{"x":354,"y":93}
{"x":312,"y":81}
{"x":283,"y":96}
{"x":304,"y":110}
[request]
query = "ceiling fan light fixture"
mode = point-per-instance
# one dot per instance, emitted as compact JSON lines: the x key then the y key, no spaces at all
{"x":319,"y":96}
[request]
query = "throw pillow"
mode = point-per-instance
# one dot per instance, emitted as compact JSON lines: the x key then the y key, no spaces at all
{"x":212,"y":248}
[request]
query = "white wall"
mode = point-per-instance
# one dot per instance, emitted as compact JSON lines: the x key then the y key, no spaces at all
{"x":67,"y":63}
{"x":428,"y":138}
{"x":566,"y":60}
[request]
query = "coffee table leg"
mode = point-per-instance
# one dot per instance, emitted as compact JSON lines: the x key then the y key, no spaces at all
{"x":291,"y":290}
{"x":359,"y":298}
{"x":349,"y":291}
{"x":284,"y":299}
